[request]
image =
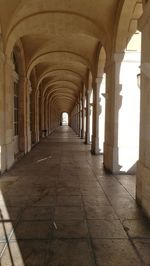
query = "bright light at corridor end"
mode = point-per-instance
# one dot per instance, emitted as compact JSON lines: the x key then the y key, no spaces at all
{"x":65,"y":119}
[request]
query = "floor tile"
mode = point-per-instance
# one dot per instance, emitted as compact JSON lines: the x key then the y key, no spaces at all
{"x":70,"y":229}
{"x":69,"y":213}
{"x":70,"y":253}
{"x":115,"y":253}
{"x":32,"y":230}
{"x":143,"y":247}
{"x":100,"y":212}
{"x":137,"y":228}
{"x":37,"y":213}
{"x":106,"y":229}
{"x":25,"y":253}
{"x":74,"y":201}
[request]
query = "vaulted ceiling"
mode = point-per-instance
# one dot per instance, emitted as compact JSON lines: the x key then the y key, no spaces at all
{"x":61,"y":40}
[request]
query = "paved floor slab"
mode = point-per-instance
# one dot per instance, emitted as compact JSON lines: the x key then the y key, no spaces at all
{"x":60,"y":208}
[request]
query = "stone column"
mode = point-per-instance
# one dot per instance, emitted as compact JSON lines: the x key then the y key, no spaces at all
{"x":2,"y":116}
{"x":96,"y":112}
{"x":50,"y":117}
{"x":45,"y":115}
{"x":34,"y":117}
{"x":143,"y":167}
{"x":42,"y":116}
{"x":83,"y":114}
{"x":79,"y":126}
{"x":48,"y":109}
{"x":76,"y":119}
{"x":22,"y":114}
{"x":37,"y":116}
{"x":113,"y":103}
{"x":79,"y":117}
{"x":29,"y":91}
{"x":87,"y":133}
{"x":9,"y":112}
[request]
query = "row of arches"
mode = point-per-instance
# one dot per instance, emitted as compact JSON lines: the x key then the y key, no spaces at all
{"x":126,"y":113}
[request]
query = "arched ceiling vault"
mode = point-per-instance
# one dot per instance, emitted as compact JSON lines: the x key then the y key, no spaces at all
{"x":59,"y":72}
{"x":61,"y":41}
{"x":58,"y":90}
{"x":61,"y":83}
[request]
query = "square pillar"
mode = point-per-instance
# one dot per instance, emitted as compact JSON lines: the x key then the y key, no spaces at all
{"x":87,"y":133}
{"x":143,"y":167}
{"x":2,"y":116}
{"x":113,"y":103}
{"x":83,"y":114}
{"x":96,"y":112}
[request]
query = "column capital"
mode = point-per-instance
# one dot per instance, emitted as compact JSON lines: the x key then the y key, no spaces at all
{"x":15,"y":76}
{"x":145,"y":18}
{"x":9,"y":66}
{"x":96,"y":83}
{"x":99,"y":80}
{"x":116,"y":58}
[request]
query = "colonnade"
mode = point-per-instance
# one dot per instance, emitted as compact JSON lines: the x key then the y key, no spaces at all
{"x":31,"y":112}
{"x":126,"y":139}
{"x":34,"y":117}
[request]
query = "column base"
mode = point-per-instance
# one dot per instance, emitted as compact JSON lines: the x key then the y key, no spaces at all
{"x":87,"y":138}
{"x":143,"y":187}
{"x":9,"y":155}
{"x":95,"y":146}
{"x":111,"y":159}
{"x":23,"y":144}
{"x":120,"y":160}
{"x":82,"y":134}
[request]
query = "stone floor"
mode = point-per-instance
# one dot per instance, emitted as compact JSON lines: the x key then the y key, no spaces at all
{"x":59,"y":208}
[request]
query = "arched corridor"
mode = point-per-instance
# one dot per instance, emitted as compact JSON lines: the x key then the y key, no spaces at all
{"x":60,"y":208}
{"x":74,"y":132}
